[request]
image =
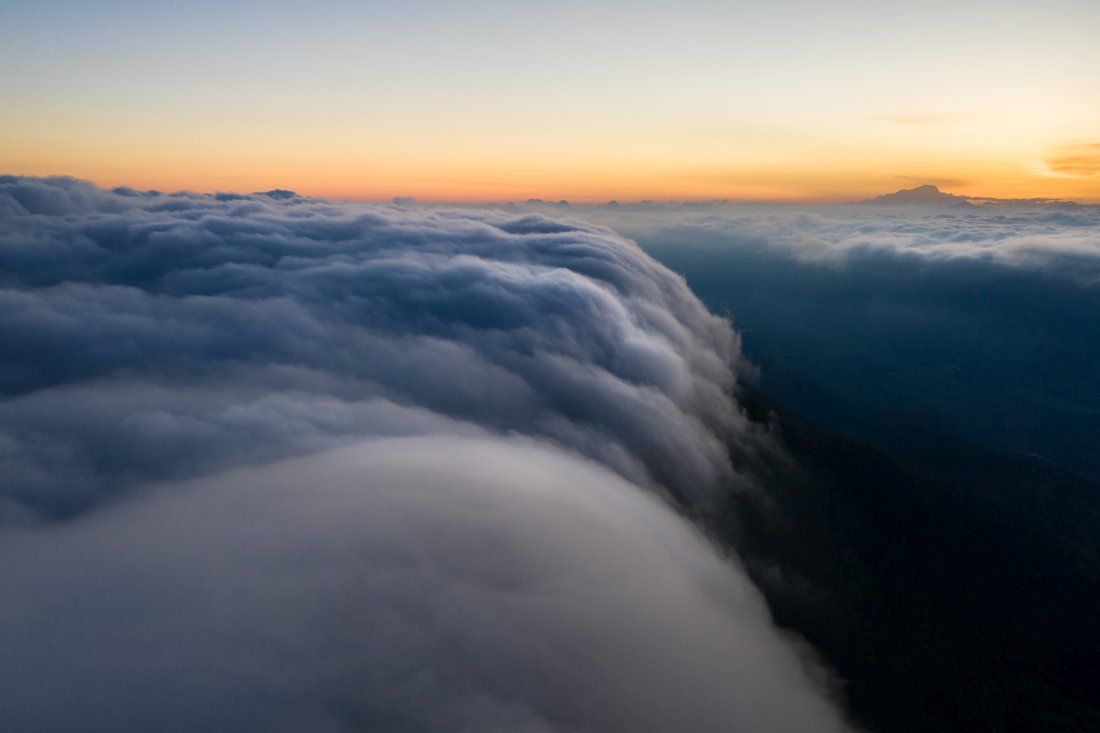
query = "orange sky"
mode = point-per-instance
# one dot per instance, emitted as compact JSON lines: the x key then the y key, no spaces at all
{"x":493,"y":101}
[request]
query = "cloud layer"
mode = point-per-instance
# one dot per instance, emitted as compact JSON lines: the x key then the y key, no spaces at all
{"x":471,"y":415}
{"x":1059,"y":239}
{"x":982,"y":318}
{"x":432,"y":583}
{"x":225,"y":327}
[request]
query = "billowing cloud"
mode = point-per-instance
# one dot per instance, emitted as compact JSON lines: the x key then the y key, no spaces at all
{"x":432,"y":583}
{"x":183,"y":319}
{"x":279,"y":463}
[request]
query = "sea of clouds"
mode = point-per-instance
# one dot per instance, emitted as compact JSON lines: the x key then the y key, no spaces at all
{"x":274,"y":463}
{"x":983,"y":319}
{"x":1058,"y":238}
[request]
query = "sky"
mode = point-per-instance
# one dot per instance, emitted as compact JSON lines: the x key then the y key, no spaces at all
{"x":492,"y":101}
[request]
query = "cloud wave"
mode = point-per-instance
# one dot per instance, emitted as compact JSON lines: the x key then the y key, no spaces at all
{"x":190,"y":319}
{"x":279,"y":463}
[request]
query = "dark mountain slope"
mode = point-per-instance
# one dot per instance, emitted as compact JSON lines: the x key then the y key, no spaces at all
{"x":963,"y":597}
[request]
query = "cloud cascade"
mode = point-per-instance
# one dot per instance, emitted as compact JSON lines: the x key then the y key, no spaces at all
{"x":281,"y":464}
{"x":232,"y":327}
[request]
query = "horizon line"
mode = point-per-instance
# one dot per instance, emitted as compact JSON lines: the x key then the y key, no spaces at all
{"x":413,"y":199}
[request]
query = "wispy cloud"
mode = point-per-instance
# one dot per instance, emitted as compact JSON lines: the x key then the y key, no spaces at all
{"x":1075,"y":160}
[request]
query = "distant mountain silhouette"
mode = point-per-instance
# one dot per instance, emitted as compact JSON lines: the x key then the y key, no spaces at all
{"x":926,"y":195}
{"x":279,"y":193}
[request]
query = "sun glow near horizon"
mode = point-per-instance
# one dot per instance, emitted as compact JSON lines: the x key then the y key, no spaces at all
{"x":791,"y":102}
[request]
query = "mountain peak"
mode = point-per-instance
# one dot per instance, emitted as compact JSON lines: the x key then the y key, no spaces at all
{"x":926,"y":195}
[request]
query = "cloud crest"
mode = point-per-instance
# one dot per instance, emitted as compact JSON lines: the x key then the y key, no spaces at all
{"x":552,"y":328}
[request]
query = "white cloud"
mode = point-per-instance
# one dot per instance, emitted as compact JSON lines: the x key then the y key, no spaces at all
{"x":462,"y":407}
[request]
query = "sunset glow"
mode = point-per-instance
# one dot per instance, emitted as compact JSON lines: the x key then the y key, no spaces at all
{"x":499,"y":101}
